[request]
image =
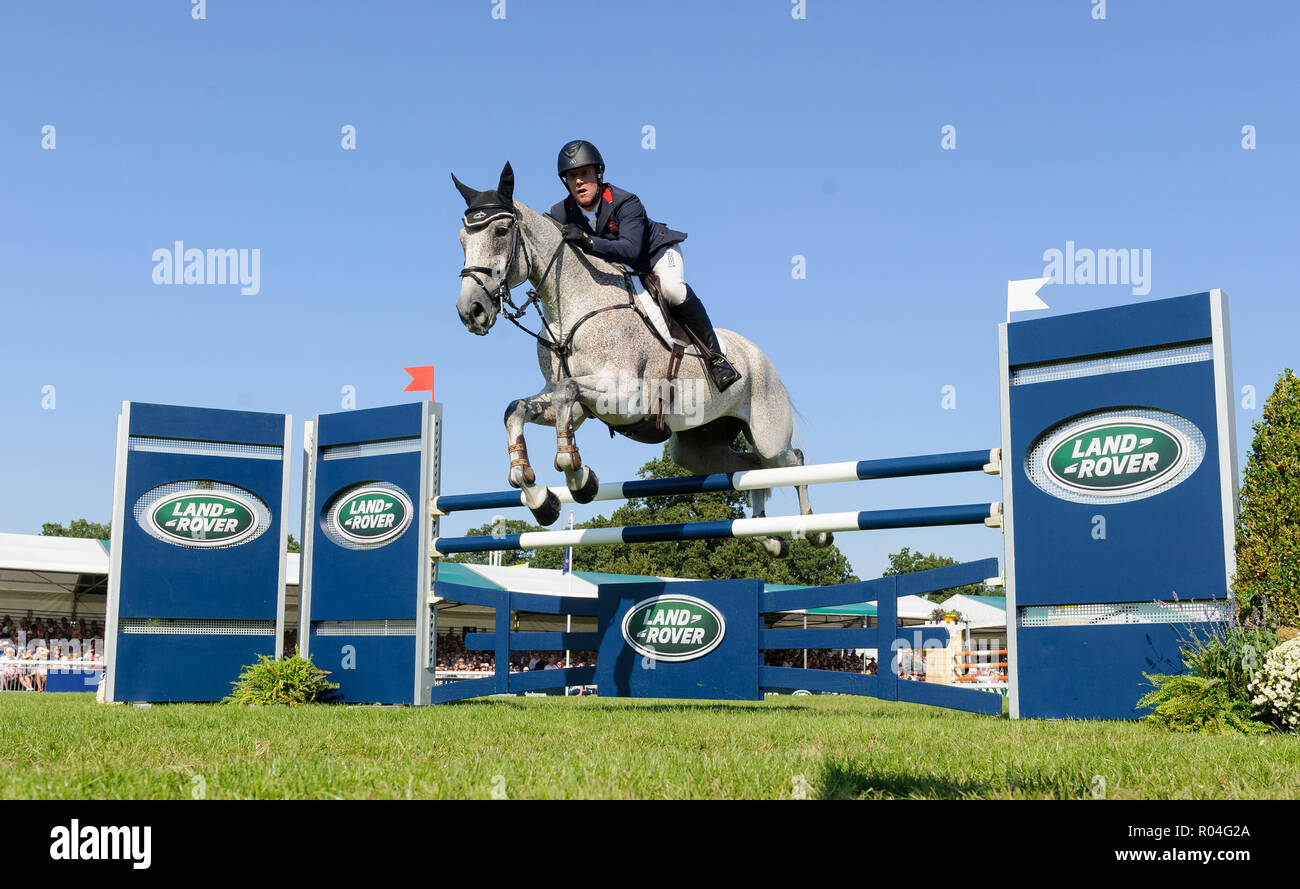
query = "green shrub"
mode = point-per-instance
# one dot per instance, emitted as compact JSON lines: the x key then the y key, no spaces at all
{"x":289,"y":680}
{"x":1191,"y":703}
{"x":1215,"y":694}
{"x":1268,"y":528}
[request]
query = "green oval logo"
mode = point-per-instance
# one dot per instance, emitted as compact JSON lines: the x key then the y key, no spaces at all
{"x":1116,"y":456}
{"x":203,"y":517}
{"x":371,"y":515}
{"x":673,"y":628}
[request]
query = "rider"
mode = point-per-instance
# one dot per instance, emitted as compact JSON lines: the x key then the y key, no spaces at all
{"x":606,"y":221}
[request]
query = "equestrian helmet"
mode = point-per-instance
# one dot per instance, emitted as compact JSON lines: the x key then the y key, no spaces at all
{"x":580,"y":153}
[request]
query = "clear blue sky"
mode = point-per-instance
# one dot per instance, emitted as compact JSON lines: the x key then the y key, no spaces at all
{"x":774,"y":137}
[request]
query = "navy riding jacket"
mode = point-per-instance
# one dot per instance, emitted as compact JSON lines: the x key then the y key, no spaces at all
{"x":623,"y":233}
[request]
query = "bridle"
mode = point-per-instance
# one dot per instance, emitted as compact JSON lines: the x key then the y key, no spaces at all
{"x":501,"y":295}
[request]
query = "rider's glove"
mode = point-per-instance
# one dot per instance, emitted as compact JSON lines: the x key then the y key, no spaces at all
{"x":573,"y":233}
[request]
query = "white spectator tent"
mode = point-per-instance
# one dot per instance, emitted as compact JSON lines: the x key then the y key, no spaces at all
{"x":529,"y":580}
{"x":911,"y":610}
{"x":51,"y":575}
{"x":981,"y":612}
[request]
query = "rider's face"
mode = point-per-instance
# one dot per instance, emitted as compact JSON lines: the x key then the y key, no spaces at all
{"x":583,"y":185}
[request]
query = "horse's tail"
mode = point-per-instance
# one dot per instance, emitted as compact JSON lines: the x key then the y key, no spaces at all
{"x":796,"y":434}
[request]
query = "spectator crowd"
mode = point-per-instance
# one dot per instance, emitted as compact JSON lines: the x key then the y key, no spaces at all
{"x":50,"y":628}
{"x":29,"y":649}
{"x":454,"y":657}
{"x":820,"y":659}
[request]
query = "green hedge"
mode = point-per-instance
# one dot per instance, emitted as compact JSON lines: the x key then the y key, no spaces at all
{"x":1268,"y":530}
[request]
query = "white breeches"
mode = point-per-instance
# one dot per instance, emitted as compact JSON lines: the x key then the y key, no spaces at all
{"x":672,"y":276}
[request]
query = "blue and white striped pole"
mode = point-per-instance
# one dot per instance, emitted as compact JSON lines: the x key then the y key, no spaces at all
{"x":987,"y":461}
{"x":989,"y":514}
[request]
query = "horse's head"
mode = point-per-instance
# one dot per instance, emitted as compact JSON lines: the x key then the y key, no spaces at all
{"x":492,"y":239}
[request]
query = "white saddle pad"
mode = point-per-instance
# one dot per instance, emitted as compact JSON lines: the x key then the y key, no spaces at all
{"x":651,"y":308}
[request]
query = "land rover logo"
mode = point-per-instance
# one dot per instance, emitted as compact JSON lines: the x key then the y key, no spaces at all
{"x":203,"y":517}
{"x":1116,"y":456}
{"x":371,"y":515}
{"x":673,"y":628}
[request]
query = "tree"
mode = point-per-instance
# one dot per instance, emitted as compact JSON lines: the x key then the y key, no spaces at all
{"x":77,"y":528}
{"x":730,"y":558}
{"x":905,"y":562}
{"x":1268,"y":527}
{"x":294,"y":546}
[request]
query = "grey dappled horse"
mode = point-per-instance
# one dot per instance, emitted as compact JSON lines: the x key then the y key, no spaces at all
{"x":609,"y":364}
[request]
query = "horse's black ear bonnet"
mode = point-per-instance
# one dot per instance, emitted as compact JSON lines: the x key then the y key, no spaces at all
{"x":483,"y":206}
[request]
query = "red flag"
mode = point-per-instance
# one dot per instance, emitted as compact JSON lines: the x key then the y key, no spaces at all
{"x":421,"y":380}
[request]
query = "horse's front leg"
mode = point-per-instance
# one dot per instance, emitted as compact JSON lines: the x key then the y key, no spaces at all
{"x":539,"y":409}
{"x":568,"y":398}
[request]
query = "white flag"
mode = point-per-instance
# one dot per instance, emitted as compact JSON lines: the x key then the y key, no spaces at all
{"x":1022,"y":295}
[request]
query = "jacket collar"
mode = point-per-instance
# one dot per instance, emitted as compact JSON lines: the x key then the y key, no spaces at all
{"x":604,"y":207}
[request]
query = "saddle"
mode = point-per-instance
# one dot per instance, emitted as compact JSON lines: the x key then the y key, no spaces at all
{"x":651,"y":428}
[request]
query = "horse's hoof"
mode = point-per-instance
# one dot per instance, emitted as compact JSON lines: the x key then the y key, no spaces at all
{"x":821,"y":538}
{"x":585,"y":492}
{"x":549,"y":511}
{"x":521,"y":477}
{"x":777,"y":547}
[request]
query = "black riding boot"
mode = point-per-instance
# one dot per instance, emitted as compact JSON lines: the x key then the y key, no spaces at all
{"x":692,"y":315}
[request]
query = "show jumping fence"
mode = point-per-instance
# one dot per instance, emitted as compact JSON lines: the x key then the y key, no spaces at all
{"x":1117,"y":464}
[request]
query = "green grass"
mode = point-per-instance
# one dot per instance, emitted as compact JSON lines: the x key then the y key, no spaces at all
{"x":66,"y":746}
